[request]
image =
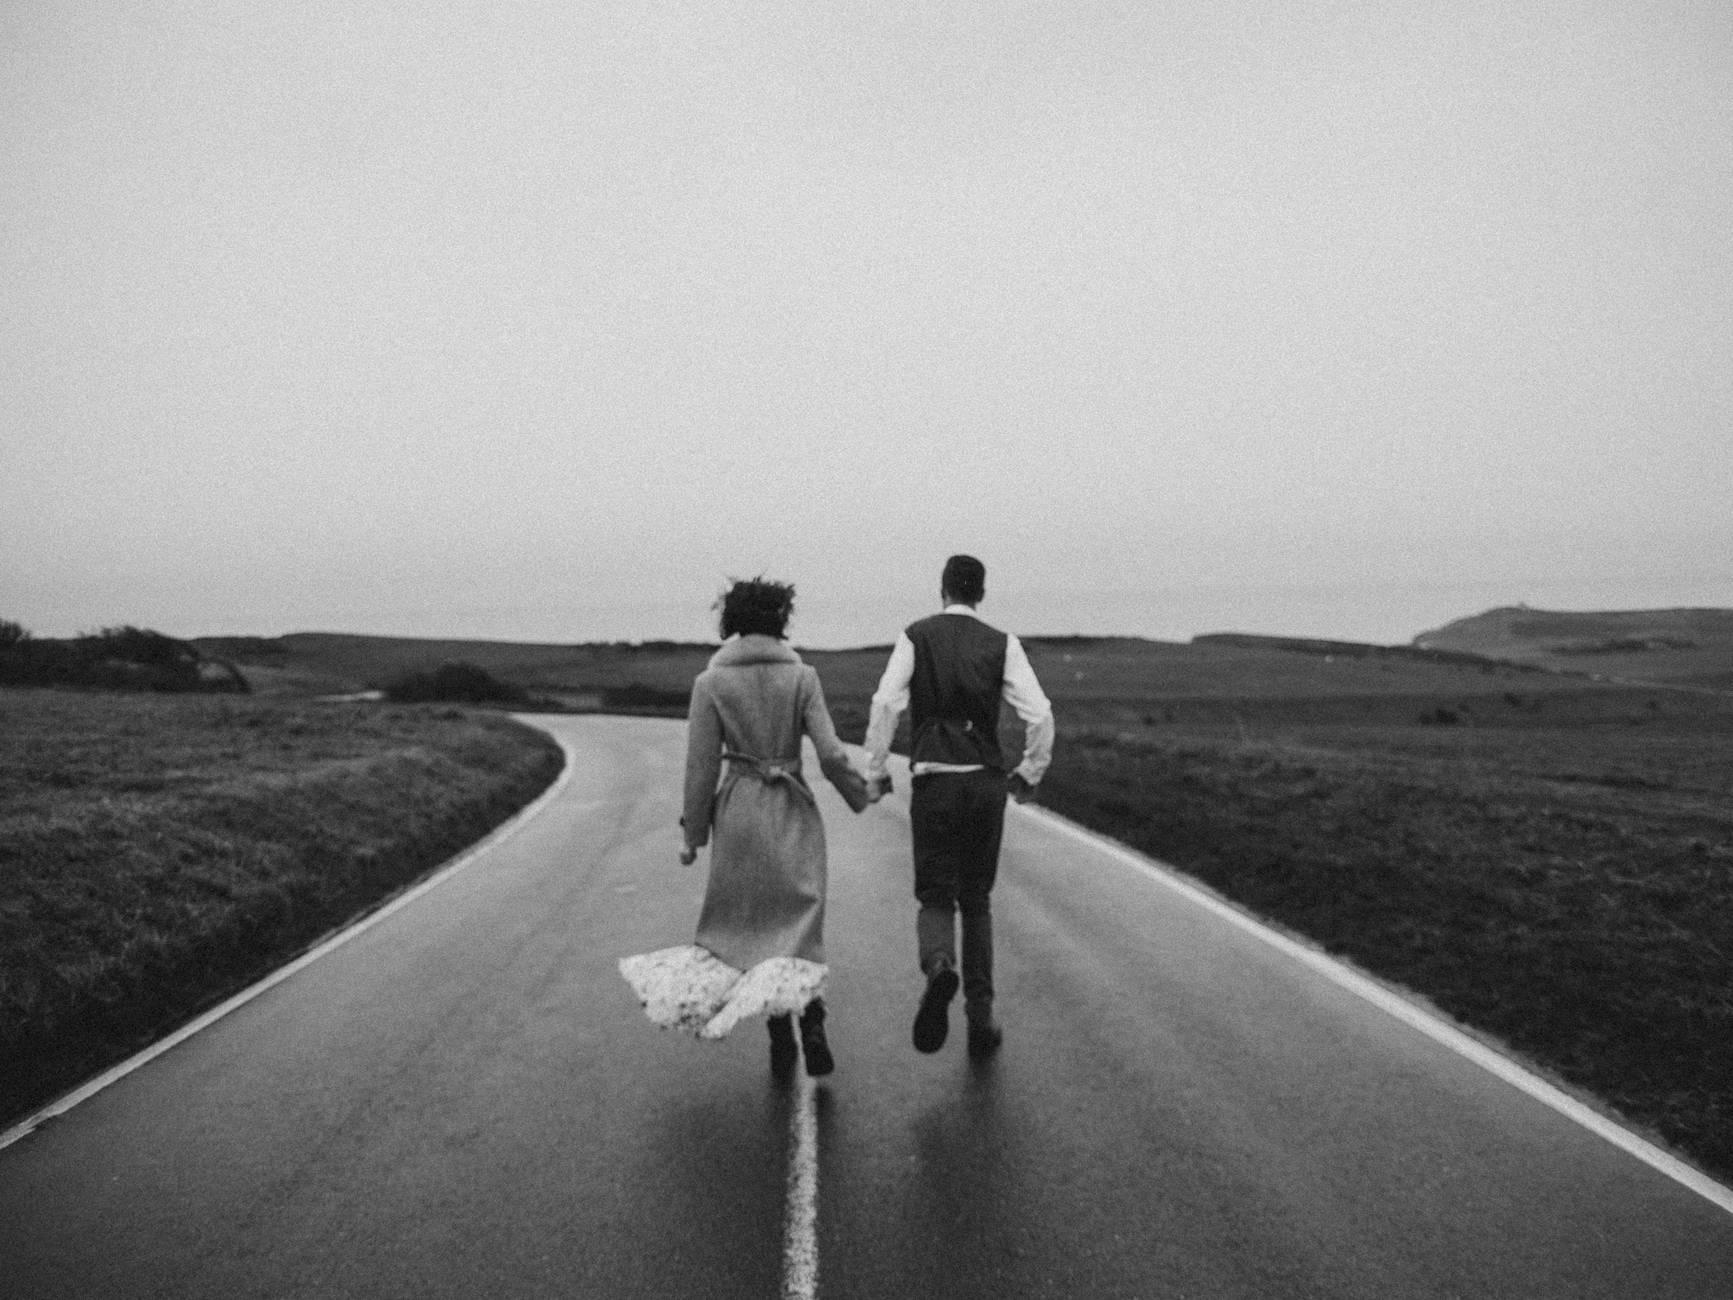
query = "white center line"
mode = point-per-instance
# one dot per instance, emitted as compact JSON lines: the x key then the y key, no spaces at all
{"x":800,"y":1218}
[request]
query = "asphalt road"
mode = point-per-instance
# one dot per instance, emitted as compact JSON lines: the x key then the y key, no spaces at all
{"x":464,"y":1100}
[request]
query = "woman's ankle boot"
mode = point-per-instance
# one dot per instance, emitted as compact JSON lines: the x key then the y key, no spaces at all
{"x":812,"y":1042}
{"x":783,"y":1052}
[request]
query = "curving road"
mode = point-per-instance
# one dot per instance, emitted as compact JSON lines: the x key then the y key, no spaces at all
{"x":463,"y":1100}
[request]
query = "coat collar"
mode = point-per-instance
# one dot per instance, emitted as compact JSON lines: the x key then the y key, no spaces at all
{"x":752,"y":648}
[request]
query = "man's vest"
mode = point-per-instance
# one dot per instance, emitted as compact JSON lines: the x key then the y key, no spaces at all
{"x":955,"y":691}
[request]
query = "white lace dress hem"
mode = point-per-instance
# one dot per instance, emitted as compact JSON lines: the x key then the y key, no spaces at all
{"x":691,"y":989}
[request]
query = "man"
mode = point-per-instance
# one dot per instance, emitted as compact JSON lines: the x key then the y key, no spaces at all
{"x":951,"y":671}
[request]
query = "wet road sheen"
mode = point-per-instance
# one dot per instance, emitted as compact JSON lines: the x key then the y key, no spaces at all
{"x":464,"y":1100}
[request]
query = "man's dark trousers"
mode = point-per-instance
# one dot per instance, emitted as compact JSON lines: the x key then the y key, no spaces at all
{"x":957,"y":820}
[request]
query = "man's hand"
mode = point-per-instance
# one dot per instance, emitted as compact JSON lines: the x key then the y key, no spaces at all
{"x":688,"y":856}
{"x":879,"y":786}
{"x":1019,"y":789}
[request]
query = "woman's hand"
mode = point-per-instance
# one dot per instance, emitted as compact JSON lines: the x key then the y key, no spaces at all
{"x":688,"y":856}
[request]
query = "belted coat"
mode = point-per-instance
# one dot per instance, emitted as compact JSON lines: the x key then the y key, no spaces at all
{"x":745,"y":791}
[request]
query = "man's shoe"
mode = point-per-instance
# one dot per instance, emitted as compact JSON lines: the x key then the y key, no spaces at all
{"x":783,"y":1052}
{"x":984,"y":1038}
{"x":932,"y":1021}
{"x":819,"y":1061}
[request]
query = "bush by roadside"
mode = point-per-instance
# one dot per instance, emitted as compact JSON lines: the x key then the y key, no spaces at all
{"x":462,"y":682}
{"x":159,"y":852}
{"x":453,"y":683}
{"x":635,"y":697}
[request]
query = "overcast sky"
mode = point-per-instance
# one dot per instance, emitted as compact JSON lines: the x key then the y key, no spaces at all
{"x":539,"y":320}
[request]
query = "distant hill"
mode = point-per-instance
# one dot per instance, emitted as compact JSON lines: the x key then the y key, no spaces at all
{"x":1681,"y":646}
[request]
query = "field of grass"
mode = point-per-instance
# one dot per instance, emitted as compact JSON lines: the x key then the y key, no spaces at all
{"x":1567,"y":889}
{"x":157,"y":852}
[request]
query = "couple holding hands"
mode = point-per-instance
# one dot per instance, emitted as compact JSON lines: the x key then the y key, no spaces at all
{"x":759,"y":949}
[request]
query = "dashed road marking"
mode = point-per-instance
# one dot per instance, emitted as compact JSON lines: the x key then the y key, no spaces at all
{"x":800,"y":1217}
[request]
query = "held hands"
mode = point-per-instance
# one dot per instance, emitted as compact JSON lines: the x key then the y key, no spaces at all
{"x":878,"y":787}
{"x":1019,"y":789}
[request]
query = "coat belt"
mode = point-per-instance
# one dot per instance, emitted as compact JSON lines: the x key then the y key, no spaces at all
{"x":769,"y":771}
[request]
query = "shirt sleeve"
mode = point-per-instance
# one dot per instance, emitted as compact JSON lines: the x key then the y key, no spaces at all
{"x":1024,"y":694}
{"x":889,"y":701}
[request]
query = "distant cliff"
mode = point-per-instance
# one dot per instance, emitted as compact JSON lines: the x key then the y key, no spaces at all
{"x":1686,"y":646}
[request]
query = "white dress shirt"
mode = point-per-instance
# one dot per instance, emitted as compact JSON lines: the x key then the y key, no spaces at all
{"x":1021,"y":691}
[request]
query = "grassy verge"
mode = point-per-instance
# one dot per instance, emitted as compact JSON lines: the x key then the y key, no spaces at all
{"x":157,"y":853}
{"x":1569,"y":891}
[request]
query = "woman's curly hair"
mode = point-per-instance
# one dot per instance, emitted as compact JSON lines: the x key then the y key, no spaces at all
{"x":756,"y":605}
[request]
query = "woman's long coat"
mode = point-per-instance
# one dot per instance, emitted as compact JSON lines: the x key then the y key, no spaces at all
{"x":744,"y":789}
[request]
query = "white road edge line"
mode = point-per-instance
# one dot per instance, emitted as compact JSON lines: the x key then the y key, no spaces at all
{"x":1438,"y":1030}
{"x":493,"y":839}
{"x":800,"y":1217}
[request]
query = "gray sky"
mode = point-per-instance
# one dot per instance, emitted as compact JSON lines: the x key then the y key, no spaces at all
{"x":539,"y":320}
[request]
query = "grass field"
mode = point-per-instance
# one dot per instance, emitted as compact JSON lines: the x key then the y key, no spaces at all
{"x":1570,"y":892}
{"x":157,"y":852}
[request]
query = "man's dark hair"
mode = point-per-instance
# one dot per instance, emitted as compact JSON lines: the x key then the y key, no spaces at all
{"x":756,"y":605}
{"x":965,"y":578}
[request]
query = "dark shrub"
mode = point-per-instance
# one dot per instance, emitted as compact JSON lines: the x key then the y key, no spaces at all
{"x":117,"y":658}
{"x":453,"y":683}
{"x":636,"y":695}
{"x":138,"y":657}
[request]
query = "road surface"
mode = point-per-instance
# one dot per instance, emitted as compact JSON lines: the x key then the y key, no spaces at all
{"x":463,"y":1100}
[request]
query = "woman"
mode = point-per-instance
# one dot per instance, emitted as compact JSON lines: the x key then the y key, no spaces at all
{"x":760,"y":941}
